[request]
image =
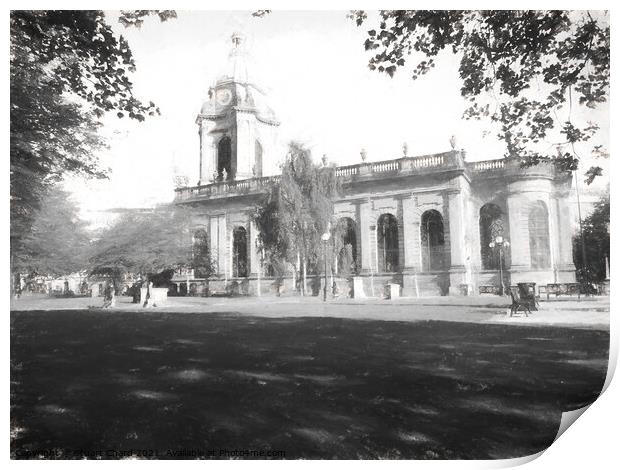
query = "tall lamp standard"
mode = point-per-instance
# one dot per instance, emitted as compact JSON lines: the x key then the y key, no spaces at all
{"x":325,"y":237}
{"x":501,"y":243}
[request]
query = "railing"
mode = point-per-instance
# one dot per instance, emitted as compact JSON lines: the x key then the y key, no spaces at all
{"x":429,"y":161}
{"x":351,"y":170}
{"x":400,"y":166}
{"x":382,"y":167}
{"x":511,"y":166}
{"x":488,"y":165}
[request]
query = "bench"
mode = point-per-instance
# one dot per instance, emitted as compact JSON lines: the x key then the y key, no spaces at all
{"x":565,"y":288}
{"x":495,"y":290}
{"x":519,"y":303}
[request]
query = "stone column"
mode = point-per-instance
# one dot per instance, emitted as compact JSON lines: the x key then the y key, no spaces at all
{"x":411,"y":241}
{"x":456,"y":217}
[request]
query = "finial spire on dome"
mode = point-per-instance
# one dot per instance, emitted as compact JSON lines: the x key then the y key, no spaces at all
{"x":237,"y":38}
{"x":238,"y":68}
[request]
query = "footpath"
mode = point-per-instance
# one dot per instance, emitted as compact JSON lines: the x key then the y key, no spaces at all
{"x":591,"y":312}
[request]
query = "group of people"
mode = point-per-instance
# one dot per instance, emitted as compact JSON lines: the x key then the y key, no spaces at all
{"x":109,"y":295}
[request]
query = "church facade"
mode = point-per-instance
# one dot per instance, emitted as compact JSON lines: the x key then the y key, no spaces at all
{"x":434,"y":224}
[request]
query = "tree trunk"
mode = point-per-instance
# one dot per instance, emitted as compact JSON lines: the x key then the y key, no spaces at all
{"x":303,"y":267}
{"x":298,"y":272}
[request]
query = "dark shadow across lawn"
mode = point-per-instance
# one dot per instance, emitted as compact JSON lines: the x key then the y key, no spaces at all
{"x":113,"y":382}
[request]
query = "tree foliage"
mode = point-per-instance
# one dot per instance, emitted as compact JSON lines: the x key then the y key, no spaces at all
{"x":297,"y":211}
{"x":58,"y":241}
{"x":67,"y":69}
{"x":520,"y":69}
{"x":597,"y":243}
{"x":144,"y":242}
{"x":202,"y":262}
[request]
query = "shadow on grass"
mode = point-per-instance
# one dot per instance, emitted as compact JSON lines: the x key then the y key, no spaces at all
{"x":311,"y":387}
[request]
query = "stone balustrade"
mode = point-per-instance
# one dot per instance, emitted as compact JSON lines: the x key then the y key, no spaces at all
{"x":387,"y":168}
{"x":510,"y":166}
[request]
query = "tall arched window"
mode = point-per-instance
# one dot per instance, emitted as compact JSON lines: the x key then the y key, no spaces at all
{"x":240,"y":252}
{"x":201,"y":254}
{"x":538,"y":225}
{"x":347,"y":246}
{"x":387,"y":243}
{"x":491,"y":224}
{"x":258,"y":160}
{"x":224,"y":159}
{"x":433,"y":242}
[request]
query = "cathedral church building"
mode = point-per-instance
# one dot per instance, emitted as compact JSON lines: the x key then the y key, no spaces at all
{"x":434,"y":224}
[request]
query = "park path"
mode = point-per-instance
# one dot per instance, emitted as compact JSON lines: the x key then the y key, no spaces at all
{"x":584,"y":313}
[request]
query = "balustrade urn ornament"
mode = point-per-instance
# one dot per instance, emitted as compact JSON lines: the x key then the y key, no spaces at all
{"x":453,"y":142}
{"x":363,"y":154}
{"x":405,"y":149}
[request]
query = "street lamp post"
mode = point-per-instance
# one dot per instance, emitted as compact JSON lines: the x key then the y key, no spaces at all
{"x":501,"y":243}
{"x":325,"y":237}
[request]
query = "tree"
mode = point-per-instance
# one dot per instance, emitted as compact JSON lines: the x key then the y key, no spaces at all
{"x":596,"y":237}
{"x":143,"y":242}
{"x":296,"y":212}
{"x":58,"y":242}
{"x":67,"y":69}
{"x":519,"y":69}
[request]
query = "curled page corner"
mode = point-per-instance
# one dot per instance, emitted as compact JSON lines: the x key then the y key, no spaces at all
{"x":568,"y":418}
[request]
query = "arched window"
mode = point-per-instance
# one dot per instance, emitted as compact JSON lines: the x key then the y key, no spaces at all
{"x":240,"y":252}
{"x":387,"y":243}
{"x":258,"y":160}
{"x":224,"y":159}
{"x":346,"y":244}
{"x":433,"y":242}
{"x":201,"y":254}
{"x":538,"y":225}
{"x":491,"y":223}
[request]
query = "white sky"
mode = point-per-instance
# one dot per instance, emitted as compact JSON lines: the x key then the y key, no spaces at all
{"x":314,"y":68}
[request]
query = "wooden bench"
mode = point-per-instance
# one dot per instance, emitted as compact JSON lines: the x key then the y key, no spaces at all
{"x":518,"y":303}
{"x":565,"y":288}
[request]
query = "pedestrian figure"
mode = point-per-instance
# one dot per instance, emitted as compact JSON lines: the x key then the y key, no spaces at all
{"x":108,"y":295}
{"x":135,"y":290}
{"x":147,"y":300}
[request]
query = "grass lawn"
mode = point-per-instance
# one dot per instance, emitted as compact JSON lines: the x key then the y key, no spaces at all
{"x":114,"y":382}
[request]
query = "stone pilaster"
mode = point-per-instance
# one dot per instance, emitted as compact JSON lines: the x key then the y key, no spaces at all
{"x":223,"y":251}
{"x":411,"y":246}
{"x":255,"y":266}
{"x":214,"y":242}
{"x":245,"y":147}
{"x":457,"y":227}
{"x":519,"y":233}
{"x":364,"y":216}
{"x":565,"y":264}
{"x":208,"y":155}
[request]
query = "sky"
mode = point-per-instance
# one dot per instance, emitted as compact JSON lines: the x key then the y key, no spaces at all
{"x":314,"y":69}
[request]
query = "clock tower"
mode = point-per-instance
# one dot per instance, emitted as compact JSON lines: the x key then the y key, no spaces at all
{"x":236,"y":127}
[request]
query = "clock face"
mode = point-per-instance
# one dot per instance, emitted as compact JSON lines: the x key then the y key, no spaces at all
{"x":223,"y":96}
